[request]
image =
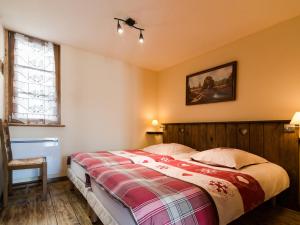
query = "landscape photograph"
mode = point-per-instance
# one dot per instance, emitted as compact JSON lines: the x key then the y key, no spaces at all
{"x":213,"y":85}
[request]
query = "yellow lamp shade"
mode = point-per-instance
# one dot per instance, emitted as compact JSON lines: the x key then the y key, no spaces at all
{"x":154,"y":123}
{"x":296,"y":119}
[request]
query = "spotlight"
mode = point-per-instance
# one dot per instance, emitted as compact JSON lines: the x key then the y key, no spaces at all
{"x":141,"y":38}
{"x":119,"y":29}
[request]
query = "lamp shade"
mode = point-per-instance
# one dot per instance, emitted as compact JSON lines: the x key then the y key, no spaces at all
{"x":154,"y":123}
{"x":296,"y":119}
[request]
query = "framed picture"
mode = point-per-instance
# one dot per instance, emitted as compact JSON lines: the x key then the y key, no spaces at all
{"x":217,"y":84}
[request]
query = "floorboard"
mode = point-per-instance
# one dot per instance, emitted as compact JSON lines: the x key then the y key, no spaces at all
{"x":65,"y":207}
{"x":269,"y":216}
{"x":64,"y":212}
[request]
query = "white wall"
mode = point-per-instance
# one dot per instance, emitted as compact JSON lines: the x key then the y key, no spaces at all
{"x":268,"y":79}
{"x":106,"y":104}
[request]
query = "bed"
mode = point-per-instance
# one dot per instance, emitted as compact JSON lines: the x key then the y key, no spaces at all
{"x":111,"y":211}
{"x":272,"y":184}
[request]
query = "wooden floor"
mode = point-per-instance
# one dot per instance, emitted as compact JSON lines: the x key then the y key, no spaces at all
{"x":64,"y":207}
{"x":269,"y":216}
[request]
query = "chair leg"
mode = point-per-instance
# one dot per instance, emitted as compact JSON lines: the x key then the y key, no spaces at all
{"x":10,"y":179}
{"x":5,"y":191}
{"x":44,"y":180}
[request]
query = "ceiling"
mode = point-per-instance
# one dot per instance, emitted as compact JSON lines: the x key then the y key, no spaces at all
{"x":175,"y":30}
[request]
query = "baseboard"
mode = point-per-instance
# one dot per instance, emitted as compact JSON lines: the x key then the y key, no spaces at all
{"x":50,"y":180}
{"x":33,"y":178}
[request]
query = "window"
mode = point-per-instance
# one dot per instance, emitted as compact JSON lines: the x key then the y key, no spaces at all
{"x":33,"y":84}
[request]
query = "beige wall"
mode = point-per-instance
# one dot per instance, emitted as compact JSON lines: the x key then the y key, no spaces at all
{"x":106,"y":104}
{"x":268,"y":79}
{"x":1,"y":94}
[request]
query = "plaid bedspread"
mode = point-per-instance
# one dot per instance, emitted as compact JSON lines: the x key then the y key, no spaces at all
{"x":111,"y":158}
{"x":156,"y":199}
{"x":232,"y":191}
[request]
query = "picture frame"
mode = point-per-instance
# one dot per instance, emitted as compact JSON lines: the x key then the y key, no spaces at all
{"x":217,"y":84}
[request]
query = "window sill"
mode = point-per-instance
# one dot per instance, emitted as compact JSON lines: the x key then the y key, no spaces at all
{"x":35,"y":125}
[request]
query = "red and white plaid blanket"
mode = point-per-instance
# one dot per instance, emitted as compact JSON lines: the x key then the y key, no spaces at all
{"x":156,"y":199}
{"x":111,"y":158}
{"x":169,"y":192}
{"x":233,"y":192}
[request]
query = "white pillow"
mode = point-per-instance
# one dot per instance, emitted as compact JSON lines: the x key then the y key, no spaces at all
{"x":228,"y":157}
{"x":168,"y":149}
{"x":184,"y":156}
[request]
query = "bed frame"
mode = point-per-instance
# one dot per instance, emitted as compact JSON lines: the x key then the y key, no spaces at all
{"x":269,"y":139}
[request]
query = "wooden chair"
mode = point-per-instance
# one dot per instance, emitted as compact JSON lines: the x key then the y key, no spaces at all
{"x":10,"y":164}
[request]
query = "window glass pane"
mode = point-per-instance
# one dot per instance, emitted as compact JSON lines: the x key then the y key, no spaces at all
{"x":34,"y":81}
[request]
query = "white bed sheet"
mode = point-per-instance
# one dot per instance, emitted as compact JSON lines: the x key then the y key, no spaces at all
{"x":272,"y":178}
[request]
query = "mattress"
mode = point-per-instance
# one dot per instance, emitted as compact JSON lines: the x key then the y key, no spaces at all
{"x":100,"y":210}
{"x":79,"y":184}
{"x":78,"y":171}
{"x":116,"y":209}
{"x":92,"y":199}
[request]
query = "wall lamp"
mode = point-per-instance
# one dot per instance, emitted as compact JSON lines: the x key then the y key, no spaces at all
{"x":296,"y":121}
{"x":155,"y":123}
{"x":131,"y":23}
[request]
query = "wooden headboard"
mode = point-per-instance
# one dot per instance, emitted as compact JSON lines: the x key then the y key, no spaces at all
{"x":268,"y":139}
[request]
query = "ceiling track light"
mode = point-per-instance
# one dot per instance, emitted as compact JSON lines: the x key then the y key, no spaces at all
{"x":119,"y":28}
{"x":141,"y":38}
{"x":131,"y":23}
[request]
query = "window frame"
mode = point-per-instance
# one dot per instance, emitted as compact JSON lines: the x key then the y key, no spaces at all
{"x":9,"y":76}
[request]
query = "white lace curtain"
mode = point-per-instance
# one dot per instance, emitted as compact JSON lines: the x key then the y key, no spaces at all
{"x":34,"y":81}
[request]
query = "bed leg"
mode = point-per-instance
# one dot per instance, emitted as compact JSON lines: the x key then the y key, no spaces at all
{"x":273,"y":202}
{"x":71,"y":186}
{"x":92,"y":215}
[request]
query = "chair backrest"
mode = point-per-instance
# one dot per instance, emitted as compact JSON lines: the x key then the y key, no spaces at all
{"x":7,"y":140}
{"x":5,"y":143}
